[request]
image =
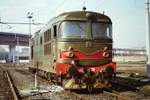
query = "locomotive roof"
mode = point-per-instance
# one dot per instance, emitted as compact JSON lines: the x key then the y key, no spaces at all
{"x":84,"y":15}
{"x":77,"y":15}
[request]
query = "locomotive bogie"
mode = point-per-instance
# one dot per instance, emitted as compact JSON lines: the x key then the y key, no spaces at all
{"x":81,"y":77}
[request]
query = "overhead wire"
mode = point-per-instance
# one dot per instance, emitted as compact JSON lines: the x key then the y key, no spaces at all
{"x":59,"y":5}
{"x":22,"y":23}
{"x":83,"y":1}
{"x":102,"y":3}
{"x":130,"y":13}
{"x":62,"y":3}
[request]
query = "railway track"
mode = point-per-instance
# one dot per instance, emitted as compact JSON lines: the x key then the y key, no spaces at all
{"x":113,"y":93}
{"x":123,"y":87}
{"x":7,"y":89}
{"x":128,"y":84}
{"x":116,"y":95}
{"x":105,"y":95}
{"x":96,"y":94}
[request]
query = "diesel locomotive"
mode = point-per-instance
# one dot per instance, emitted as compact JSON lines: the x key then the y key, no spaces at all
{"x":74,"y":50}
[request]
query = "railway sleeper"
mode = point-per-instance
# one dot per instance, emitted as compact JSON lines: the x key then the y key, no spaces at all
{"x":116,"y":95}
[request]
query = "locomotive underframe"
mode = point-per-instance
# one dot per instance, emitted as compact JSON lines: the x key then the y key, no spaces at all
{"x":79,"y":77}
{"x":76,"y":77}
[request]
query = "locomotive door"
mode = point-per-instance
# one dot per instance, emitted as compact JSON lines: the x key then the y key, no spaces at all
{"x":54,"y":47}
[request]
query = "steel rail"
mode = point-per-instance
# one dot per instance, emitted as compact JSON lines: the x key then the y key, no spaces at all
{"x":116,"y":95}
{"x":13,"y":89}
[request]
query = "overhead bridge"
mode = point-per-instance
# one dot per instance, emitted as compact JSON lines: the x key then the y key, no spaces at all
{"x":13,"y":40}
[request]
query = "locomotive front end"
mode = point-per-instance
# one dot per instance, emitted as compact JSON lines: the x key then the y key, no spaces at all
{"x":84,"y":51}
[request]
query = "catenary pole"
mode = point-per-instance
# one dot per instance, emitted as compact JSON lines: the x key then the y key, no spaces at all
{"x":147,"y":36}
{"x":30,"y":16}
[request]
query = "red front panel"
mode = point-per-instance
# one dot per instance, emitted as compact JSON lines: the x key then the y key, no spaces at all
{"x":77,"y":54}
{"x":61,"y":68}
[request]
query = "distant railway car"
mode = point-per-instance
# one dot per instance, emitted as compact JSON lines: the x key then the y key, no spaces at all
{"x":74,"y":49}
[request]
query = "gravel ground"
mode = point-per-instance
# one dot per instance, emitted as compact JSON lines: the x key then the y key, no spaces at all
{"x":132,"y":68}
{"x":5,"y":90}
{"x":24,"y":82}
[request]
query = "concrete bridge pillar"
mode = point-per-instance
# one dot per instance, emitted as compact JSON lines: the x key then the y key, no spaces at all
{"x":12,"y":56}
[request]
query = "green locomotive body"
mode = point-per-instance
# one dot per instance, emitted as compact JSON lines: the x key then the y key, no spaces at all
{"x":75,"y":50}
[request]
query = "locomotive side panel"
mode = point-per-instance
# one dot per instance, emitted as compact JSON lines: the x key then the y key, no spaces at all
{"x":41,"y":59}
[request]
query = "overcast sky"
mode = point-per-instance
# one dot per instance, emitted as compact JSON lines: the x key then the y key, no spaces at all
{"x":128,"y":16}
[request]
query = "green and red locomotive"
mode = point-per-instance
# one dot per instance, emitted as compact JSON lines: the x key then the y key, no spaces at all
{"x":75,"y":50}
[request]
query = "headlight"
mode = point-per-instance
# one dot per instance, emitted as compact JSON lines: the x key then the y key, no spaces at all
{"x":70,"y":55}
{"x":70,"y":48}
{"x":105,"y":54}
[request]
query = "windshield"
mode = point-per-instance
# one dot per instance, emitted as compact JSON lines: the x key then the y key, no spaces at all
{"x":70,"y":29}
{"x":101,"y":30}
{"x":78,"y":29}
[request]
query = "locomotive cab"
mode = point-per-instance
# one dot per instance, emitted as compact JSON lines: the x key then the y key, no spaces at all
{"x":88,"y":43}
{"x":85,"y":49}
